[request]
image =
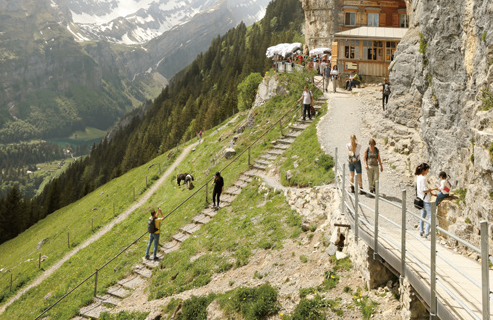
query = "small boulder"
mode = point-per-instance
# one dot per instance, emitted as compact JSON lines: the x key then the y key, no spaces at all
{"x":340,"y":255}
{"x":44,"y":258}
{"x":289,"y":175}
{"x":331,"y":250}
{"x":48,"y":295}
{"x":229,"y":153}
{"x":214,"y":311}
{"x":295,"y":164}
{"x":40,"y":244}
{"x":154,"y":315}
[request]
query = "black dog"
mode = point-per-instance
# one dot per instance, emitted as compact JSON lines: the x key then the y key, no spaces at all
{"x":188,"y":178}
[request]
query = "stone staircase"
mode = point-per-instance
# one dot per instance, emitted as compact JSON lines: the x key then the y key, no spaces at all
{"x":143,"y":271}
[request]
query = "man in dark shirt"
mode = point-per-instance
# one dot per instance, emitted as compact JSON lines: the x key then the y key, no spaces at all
{"x":218,"y":189}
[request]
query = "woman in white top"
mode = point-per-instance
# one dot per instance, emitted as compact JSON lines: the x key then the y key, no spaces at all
{"x":335,"y":75}
{"x":354,"y":149}
{"x":424,"y":192}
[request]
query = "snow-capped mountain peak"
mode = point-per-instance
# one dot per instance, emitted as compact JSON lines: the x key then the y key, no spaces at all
{"x":138,"y":21}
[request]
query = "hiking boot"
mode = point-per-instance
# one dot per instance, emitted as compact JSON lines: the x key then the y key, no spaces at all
{"x":421,"y":234}
{"x":361,"y":191}
{"x":352,"y":189}
{"x":147,"y":258}
{"x":156,"y":259}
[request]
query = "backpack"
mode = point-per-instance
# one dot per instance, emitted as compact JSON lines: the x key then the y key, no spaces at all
{"x":368,"y":152}
{"x":386,"y":89}
{"x":151,"y":225}
{"x":447,"y":187}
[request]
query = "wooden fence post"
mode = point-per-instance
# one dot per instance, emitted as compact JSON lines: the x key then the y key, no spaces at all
{"x":207,"y":192}
{"x":39,"y":261}
{"x":134,"y":193}
{"x":96,"y":283}
{"x":146,"y":181}
{"x":10,"y":281}
{"x":68,"y":239}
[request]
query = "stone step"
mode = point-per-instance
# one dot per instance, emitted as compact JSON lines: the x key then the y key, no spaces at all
{"x":246,"y":178}
{"x":93,"y":311}
{"x":108,"y":299}
{"x":180,"y":237}
{"x":301,"y":121}
{"x":281,"y":146}
{"x":201,"y":219}
{"x":170,"y":247}
{"x":263,"y":162}
{"x":317,"y":107}
{"x":118,"y":291}
{"x":233,"y":190}
{"x":259,"y":167}
{"x":227,"y":198}
{"x":268,"y":157}
{"x":299,"y":127}
{"x":210,"y":212}
{"x":190,"y":228}
{"x":79,"y":318}
{"x":252,"y":173}
{"x":241,"y":184}
{"x":285,"y":141}
{"x":275,"y":152}
{"x":293,"y":134}
{"x":132,"y":282}
{"x":146,"y":273}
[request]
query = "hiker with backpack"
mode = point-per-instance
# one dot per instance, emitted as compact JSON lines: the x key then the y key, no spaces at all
{"x":444,"y":187}
{"x":334,"y":73}
{"x":386,"y":92}
{"x":372,"y":161}
{"x":153,"y":225}
{"x":307,"y":97}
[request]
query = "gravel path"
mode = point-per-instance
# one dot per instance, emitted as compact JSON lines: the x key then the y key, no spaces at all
{"x":345,"y":117}
{"x":102,"y":231}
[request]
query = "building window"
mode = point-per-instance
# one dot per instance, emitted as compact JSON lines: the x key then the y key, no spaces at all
{"x":390,"y":50}
{"x":373,"y":19}
{"x":403,"y":22}
{"x":373,"y":50}
{"x":351,"y":49}
{"x":350,"y":19}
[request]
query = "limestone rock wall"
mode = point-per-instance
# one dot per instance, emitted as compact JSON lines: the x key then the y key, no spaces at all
{"x":319,"y":22}
{"x":443,"y":66}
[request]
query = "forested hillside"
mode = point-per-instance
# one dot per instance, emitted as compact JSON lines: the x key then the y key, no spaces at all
{"x":198,"y":98}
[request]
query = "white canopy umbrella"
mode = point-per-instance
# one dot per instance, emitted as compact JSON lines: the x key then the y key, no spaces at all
{"x":282,"y":49}
{"x":318,"y":51}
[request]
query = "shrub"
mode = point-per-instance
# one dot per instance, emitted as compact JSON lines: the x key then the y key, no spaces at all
{"x":256,"y":303}
{"x":247,"y":90}
{"x":483,"y":36}
{"x":303,"y":259}
{"x":326,"y":162}
{"x":486,"y":99}
{"x":195,"y":308}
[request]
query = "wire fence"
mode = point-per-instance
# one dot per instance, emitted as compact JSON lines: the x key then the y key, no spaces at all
{"x":247,"y":149}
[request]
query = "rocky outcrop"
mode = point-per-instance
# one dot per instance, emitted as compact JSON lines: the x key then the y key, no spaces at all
{"x":442,"y":80}
{"x":319,"y":22}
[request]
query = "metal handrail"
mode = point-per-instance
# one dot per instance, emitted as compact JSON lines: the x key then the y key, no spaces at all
{"x":293,"y":108}
{"x":353,"y":201}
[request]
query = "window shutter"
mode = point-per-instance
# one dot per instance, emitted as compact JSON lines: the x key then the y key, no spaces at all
{"x":395,"y":20}
{"x":383,"y":20}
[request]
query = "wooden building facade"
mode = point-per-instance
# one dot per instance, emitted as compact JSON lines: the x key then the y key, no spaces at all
{"x":366,"y":50}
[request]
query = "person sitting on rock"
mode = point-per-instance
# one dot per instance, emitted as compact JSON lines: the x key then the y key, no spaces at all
{"x":444,"y":187}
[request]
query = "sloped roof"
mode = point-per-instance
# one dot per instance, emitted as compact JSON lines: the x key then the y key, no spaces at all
{"x":372,"y":33}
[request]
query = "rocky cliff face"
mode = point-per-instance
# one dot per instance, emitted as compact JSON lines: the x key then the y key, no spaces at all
{"x":442,"y":80}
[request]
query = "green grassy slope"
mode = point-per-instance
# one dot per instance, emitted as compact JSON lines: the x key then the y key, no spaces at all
{"x":202,"y":163}
{"x":20,"y":256}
